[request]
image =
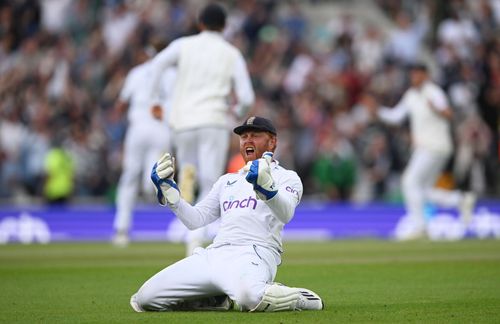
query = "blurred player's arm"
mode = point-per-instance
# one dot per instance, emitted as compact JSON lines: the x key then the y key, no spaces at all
{"x":395,"y":115}
{"x":125,"y":95}
{"x":168,"y":57}
{"x":121,"y":107}
{"x":243,"y":88}
{"x":439,"y":104}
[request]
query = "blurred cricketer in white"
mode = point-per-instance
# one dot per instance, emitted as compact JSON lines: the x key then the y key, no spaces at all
{"x":208,"y":68}
{"x":426,"y":105}
{"x":241,"y":263}
{"x":147,"y":137}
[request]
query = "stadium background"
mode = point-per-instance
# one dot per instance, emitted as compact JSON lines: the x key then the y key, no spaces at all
{"x":62,"y":64}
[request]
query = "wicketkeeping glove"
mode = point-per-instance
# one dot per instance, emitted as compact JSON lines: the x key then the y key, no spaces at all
{"x":162,"y":176}
{"x":259,"y":175}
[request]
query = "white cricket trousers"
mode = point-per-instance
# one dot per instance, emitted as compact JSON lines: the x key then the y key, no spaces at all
{"x":144,"y":145}
{"x":206,"y":149}
{"x":418,"y":182}
{"x":240,"y":272}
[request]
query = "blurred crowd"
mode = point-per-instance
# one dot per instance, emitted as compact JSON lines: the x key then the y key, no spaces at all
{"x":63,"y":62}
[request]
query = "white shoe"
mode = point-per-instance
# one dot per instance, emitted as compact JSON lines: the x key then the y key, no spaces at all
{"x":309,"y":300}
{"x":121,"y":239}
{"x":408,"y":229}
{"x":467,"y":207}
{"x":416,"y":233}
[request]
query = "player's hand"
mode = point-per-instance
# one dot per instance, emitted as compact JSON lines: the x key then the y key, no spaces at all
{"x":157,"y":112}
{"x":259,"y":175}
{"x":370,"y":103}
{"x":162,"y":176}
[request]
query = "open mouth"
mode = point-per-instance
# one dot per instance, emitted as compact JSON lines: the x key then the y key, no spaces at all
{"x":249,"y":150}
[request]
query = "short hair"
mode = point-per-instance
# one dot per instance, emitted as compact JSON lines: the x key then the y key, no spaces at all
{"x":419,"y":66}
{"x":213,"y":16}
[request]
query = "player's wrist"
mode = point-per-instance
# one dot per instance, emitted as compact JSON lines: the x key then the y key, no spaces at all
{"x":265,"y":194}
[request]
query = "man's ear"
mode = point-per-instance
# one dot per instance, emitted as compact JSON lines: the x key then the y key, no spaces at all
{"x":273,"y":142}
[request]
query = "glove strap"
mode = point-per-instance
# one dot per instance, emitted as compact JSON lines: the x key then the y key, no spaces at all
{"x":268,"y":194}
{"x":252,"y":176}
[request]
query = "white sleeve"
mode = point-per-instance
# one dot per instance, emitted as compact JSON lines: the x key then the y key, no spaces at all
{"x":283,"y":204}
{"x":203,"y":213}
{"x":127,"y":89}
{"x":396,"y":115}
{"x":242,"y":87}
{"x":438,"y":99}
{"x":166,"y":58}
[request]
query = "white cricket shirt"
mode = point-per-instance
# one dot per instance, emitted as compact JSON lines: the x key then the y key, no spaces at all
{"x":208,"y":67}
{"x":245,"y":220}
{"x":136,"y":91}
{"x":429,"y":130}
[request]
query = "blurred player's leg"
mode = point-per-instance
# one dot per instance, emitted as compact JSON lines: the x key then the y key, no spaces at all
{"x":156,"y":148}
{"x":187,"y":182}
{"x":187,"y":186}
{"x":212,"y":150}
{"x":213,"y":145}
{"x":186,"y":145}
{"x":417,"y":176}
{"x":128,"y":187}
{"x":209,"y":146}
{"x":466,"y":207}
{"x":465,"y":202}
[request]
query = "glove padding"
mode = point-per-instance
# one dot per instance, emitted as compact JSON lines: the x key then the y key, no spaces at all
{"x":259,"y":175}
{"x":162,"y":176}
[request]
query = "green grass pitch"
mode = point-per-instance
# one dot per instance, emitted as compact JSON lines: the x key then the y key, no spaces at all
{"x":360,"y":281}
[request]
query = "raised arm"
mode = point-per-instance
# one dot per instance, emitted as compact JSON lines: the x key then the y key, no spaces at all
{"x":203,"y":213}
{"x":242,"y":87}
{"x":281,"y":197}
{"x":438,"y":102}
{"x":287,"y":198}
{"x":167,"y":193}
{"x":393,"y":116}
{"x":168,"y":57}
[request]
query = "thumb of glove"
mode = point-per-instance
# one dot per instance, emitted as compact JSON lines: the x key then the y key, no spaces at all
{"x":268,"y":156}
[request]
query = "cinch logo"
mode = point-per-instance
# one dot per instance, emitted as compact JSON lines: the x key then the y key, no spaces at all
{"x":249,"y":202}
{"x":290,"y":189}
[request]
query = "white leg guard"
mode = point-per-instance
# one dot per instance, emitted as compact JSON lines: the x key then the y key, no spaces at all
{"x":278,"y":297}
{"x":187,"y":183}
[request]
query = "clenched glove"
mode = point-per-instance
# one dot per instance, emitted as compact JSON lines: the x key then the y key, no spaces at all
{"x":162,"y":176}
{"x":259,"y":175}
